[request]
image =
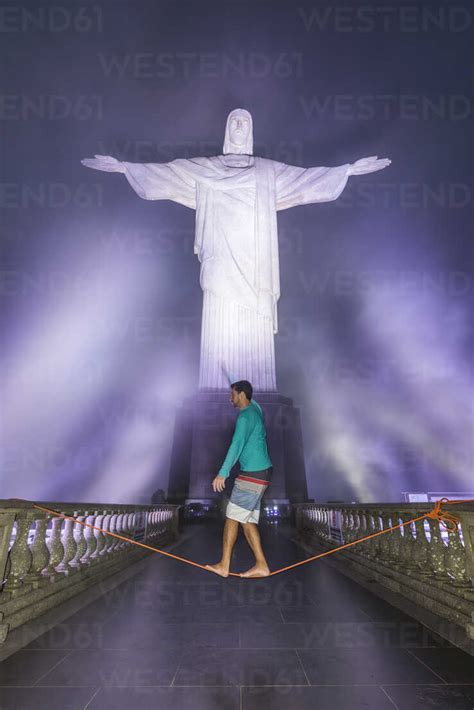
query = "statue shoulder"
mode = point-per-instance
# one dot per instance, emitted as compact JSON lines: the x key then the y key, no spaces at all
{"x":268,"y":162}
{"x":270,"y":165}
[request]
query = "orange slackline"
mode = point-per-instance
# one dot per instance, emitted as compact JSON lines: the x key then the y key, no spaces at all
{"x":449,"y":521}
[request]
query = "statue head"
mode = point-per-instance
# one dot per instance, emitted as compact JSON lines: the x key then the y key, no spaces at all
{"x":238,"y":132}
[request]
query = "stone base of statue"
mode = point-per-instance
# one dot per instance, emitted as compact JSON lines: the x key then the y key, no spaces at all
{"x":203,"y":431}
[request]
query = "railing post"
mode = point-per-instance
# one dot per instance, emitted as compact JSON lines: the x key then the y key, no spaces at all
{"x":39,"y":550}
{"x":56,"y":549}
{"x":20,"y":554}
{"x":68,"y":563}
{"x":421,"y":549}
{"x":436,"y":551}
{"x":80,"y":540}
{"x":7,"y":520}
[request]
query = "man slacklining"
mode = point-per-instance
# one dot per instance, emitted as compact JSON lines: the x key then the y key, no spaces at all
{"x":249,"y":446}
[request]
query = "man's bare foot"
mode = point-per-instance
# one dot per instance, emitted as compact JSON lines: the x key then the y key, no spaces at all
{"x":256,"y":571}
{"x":218,"y":569}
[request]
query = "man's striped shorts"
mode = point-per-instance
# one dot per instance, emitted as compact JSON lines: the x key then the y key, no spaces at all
{"x":246,"y":496}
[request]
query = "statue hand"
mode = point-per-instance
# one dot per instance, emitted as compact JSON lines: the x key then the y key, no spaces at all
{"x":368,"y":165}
{"x":104,"y":162}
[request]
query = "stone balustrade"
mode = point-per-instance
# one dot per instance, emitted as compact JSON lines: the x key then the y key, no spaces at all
{"x":45,"y":560}
{"x":424,"y":563}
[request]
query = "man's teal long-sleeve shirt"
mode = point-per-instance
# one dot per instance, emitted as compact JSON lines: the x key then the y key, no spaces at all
{"x":249,"y":443}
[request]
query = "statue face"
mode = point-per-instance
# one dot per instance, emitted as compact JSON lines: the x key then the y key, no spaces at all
{"x":239,"y":129}
{"x":238,"y":132}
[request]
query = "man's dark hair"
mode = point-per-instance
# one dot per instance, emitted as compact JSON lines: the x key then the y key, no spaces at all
{"x":243,"y":386}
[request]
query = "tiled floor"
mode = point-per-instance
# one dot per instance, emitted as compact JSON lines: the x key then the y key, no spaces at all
{"x":174,"y":636}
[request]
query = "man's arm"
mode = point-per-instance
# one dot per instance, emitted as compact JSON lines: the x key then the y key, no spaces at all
{"x":239,"y":439}
{"x":241,"y":434}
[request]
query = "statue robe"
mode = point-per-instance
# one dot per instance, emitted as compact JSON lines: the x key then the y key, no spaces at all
{"x":236,"y":199}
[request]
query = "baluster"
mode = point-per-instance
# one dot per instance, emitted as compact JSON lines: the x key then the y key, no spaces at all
{"x":99,"y":537}
{"x":407,"y":543}
{"x":89,"y":535}
{"x":136,"y":523}
{"x":357,"y":527}
{"x":126,"y":531}
{"x":132,"y":528}
{"x":352,"y":526}
{"x":455,"y":560}
{"x":119,"y":530}
{"x":366,"y":547}
{"x":325,"y":526}
{"x":384,"y":544}
{"x":107,"y":538}
{"x":345,"y":526}
{"x":56,"y":549}
{"x":81,"y":543}
{"x":377,"y":527}
{"x":152,"y":519}
{"x":20,"y":555}
{"x":363,"y":548}
{"x":69,"y":563}
{"x":128,"y":523}
{"x":436,"y":551}
{"x":321,"y":523}
{"x":421,"y":549}
{"x":395,"y":539}
{"x":39,"y":551}
{"x":113,"y":542}
{"x":374,"y":526}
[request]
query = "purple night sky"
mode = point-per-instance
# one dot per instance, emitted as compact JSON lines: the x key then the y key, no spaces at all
{"x":101,"y":303}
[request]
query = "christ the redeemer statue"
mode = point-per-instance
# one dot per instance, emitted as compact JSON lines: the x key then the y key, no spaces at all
{"x":236,"y":197}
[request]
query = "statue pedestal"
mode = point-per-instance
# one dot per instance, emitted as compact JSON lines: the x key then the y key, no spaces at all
{"x":203,"y":431}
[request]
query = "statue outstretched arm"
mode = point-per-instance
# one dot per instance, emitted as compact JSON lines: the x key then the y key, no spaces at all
{"x":104,"y":162}
{"x":152,"y":181}
{"x":304,"y":186}
{"x":368,"y":165}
